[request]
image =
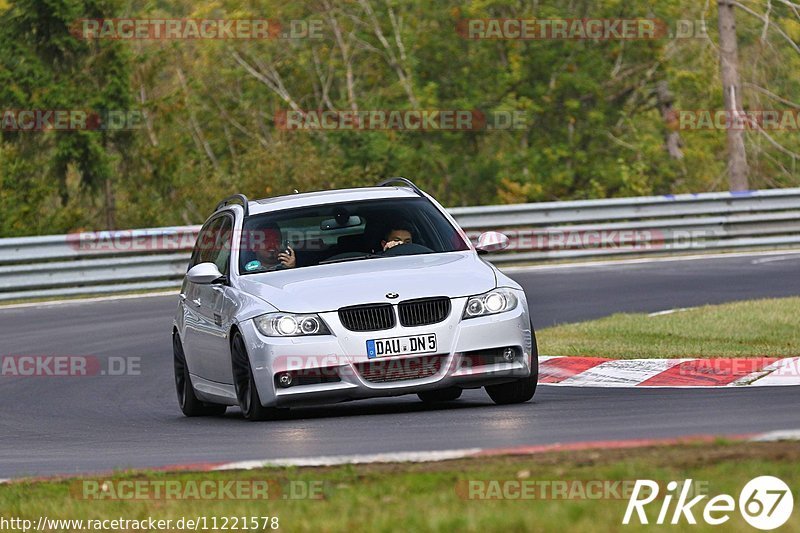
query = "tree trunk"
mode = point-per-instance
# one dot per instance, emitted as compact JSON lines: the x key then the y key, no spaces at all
{"x":672,"y":138}
{"x":110,"y":206}
{"x":729,"y":64}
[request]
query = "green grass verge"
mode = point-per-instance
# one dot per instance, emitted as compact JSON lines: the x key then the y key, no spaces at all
{"x":742,"y":329}
{"x":423,"y":497}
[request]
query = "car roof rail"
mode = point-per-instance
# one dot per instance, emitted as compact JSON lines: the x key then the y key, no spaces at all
{"x":233,"y":199}
{"x":407,"y":182}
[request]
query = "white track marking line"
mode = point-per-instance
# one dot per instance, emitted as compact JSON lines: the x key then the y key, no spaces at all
{"x":52,"y":303}
{"x":774,"y":436}
{"x":543,"y":358}
{"x":773,"y":259}
{"x":669,"y":311}
{"x":622,"y":372}
{"x":782,"y":372}
{"x":399,"y":457}
{"x":430,"y":456}
{"x":643,"y":260}
{"x":426,"y":456}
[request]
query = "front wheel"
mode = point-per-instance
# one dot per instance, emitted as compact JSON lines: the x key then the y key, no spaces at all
{"x":244,"y":382}
{"x":190,"y":405}
{"x":521,"y":390}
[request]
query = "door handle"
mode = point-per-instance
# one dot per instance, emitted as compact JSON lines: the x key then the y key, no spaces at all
{"x":197,"y":302}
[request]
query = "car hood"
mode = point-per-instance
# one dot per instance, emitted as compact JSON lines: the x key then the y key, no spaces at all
{"x":328,"y":287}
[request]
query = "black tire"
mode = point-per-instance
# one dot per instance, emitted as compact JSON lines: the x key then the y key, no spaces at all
{"x":441,"y":395}
{"x":188,"y":402}
{"x":521,"y":390}
{"x":246,"y":391}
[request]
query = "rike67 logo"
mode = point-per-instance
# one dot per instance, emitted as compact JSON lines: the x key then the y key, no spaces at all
{"x":765,"y":503}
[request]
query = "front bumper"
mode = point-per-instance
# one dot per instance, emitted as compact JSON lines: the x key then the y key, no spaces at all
{"x":342,"y":359}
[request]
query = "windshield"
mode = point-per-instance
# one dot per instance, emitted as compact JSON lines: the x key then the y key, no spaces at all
{"x":350,"y":231}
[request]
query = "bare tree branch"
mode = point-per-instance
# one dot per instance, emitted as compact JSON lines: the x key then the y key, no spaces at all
{"x":771,"y":94}
{"x":347,"y":56}
{"x":198,"y":132}
{"x":766,"y":20}
{"x":396,"y":27}
{"x":705,"y":25}
{"x":399,"y":68}
{"x":148,"y":120}
{"x":760,"y":151}
{"x":620,"y":142}
{"x":239,"y":126}
{"x":794,"y":7}
{"x":271,"y":79}
{"x":324,"y":80}
{"x":776,"y":144}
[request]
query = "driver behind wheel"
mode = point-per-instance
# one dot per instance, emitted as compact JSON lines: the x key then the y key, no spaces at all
{"x":396,"y":234}
{"x":267,"y":251}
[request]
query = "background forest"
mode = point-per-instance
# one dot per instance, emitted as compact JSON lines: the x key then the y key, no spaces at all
{"x":598,"y":121}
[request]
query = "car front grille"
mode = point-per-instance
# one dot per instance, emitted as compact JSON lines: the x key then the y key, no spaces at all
{"x":423,"y":311}
{"x":389,"y":370}
{"x":367,"y":317}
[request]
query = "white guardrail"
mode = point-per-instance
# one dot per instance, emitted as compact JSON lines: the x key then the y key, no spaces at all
{"x":147,"y":259}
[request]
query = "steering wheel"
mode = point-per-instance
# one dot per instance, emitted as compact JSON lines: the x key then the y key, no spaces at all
{"x":407,"y":249}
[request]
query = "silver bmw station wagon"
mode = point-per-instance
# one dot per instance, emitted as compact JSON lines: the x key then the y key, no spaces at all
{"x":339,"y":295}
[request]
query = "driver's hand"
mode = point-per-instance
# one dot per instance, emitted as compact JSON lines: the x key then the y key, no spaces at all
{"x":287,"y":258}
{"x":391,"y":244}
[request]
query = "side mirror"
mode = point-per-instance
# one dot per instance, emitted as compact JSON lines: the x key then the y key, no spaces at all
{"x":204,"y":274}
{"x":491,"y":241}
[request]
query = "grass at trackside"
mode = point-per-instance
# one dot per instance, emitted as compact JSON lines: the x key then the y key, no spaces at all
{"x":742,"y":329}
{"x":423,"y":497}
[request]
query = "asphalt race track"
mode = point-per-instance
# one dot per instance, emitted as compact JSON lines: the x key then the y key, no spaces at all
{"x":52,"y":425}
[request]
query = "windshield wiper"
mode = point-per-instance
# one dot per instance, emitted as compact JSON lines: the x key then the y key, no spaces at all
{"x":351,"y":258}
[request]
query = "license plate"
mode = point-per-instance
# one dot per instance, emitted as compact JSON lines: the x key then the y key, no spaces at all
{"x":410,"y":345}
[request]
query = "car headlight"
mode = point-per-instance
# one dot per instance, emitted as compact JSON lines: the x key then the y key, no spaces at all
{"x":290,"y":325}
{"x":490,"y":303}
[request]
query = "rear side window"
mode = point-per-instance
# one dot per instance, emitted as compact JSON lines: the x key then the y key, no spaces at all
{"x":221,"y":253}
{"x":214,"y":243}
